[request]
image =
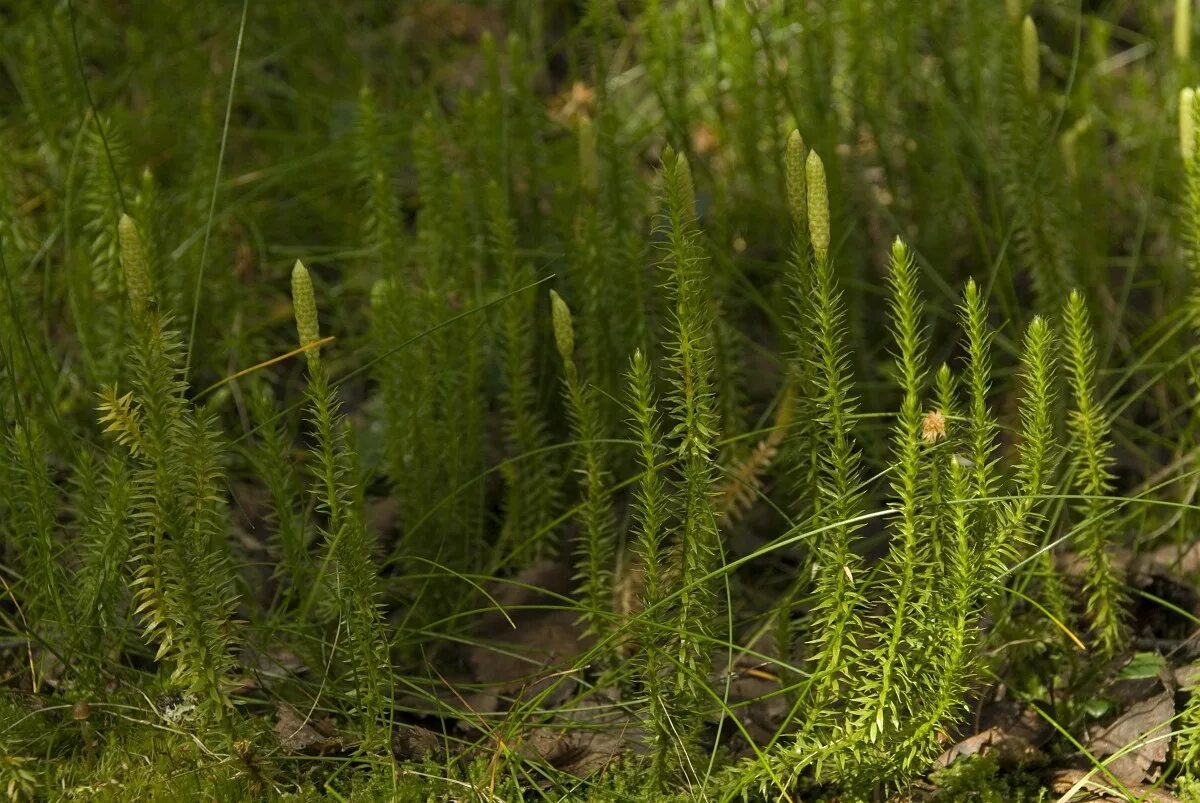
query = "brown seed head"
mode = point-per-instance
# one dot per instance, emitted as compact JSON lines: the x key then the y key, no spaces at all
{"x":933,"y":427}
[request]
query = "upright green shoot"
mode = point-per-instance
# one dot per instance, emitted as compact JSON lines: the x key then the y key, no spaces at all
{"x":1092,"y":479}
{"x":692,"y":402}
{"x":348,"y":576}
{"x":597,"y":549}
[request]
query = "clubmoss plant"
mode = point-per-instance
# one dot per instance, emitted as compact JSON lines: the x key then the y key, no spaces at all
{"x":1036,"y":468}
{"x":99,"y":601}
{"x":1092,"y":479}
{"x":347,"y":576}
{"x":1190,"y":223}
{"x":36,"y":551}
{"x":652,"y":510}
{"x":836,"y":609}
{"x":261,"y":571}
{"x":531,"y":496}
{"x":1030,"y":178}
{"x":801,"y":450}
{"x":597,"y":549}
{"x":102,"y":196}
{"x":886,"y":693}
{"x":271,"y":455}
{"x":982,"y":429}
{"x":183,"y":578}
{"x":693,"y":438}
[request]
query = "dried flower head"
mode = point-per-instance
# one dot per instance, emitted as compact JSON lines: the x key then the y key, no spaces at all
{"x":933,"y":426}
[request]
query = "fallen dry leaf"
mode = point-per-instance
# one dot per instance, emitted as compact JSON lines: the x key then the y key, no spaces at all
{"x":1014,"y":738}
{"x":298,"y":736}
{"x":583,"y":740}
{"x":1137,"y":740}
{"x":414,"y":743}
{"x":1187,"y":677}
{"x":1009,"y":747}
{"x":1081,"y":785}
{"x":526,"y":645}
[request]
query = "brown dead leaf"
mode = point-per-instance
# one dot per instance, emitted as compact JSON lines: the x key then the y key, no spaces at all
{"x":1137,"y":740}
{"x":1187,"y":677}
{"x":525,"y":646}
{"x":578,"y":752}
{"x":298,"y":736}
{"x":414,"y":743}
{"x":1071,"y":782}
{"x":1011,"y":733}
{"x":584,"y":740}
{"x":1169,"y":559}
{"x":1009,"y":747}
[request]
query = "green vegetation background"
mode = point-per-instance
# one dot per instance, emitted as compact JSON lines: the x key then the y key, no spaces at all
{"x":848,"y":346}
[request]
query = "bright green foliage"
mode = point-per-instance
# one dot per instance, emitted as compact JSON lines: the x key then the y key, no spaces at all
{"x":836,"y":596}
{"x":1092,"y":479}
{"x":997,"y":548}
{"x":885,"y":684}
{"x":651,"y":512}
{"x":887,"y":690}
{"x":1038,"y":358}
{"x":785,"y":481}
{"x":801,"y":446}
{"x":693,"y":436}
{"x":1037,"y":460}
